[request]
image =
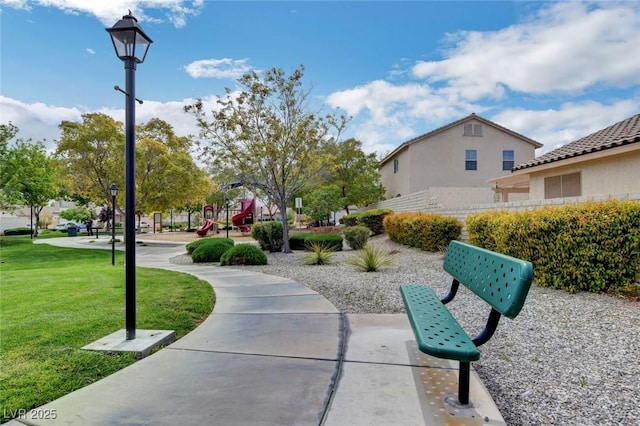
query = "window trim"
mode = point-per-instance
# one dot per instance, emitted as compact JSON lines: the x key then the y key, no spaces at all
{"x":505,"y":161}
{"x":396,"y":165}
{"x":562,"y":187}
{"x":471,"y":161}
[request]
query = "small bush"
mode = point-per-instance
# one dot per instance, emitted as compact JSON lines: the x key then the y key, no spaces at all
{"x":349,"y":219}
{"x":370,"y":259}
{"x":318,"y":254}
{"x":197,"y":243}
{"x":269,"y":235}
{"x":373,"y":219}
{"x":211,"y":251}
{"x":18,"y":231}
{"x":356,"y":236}
{"x":243,"y":254}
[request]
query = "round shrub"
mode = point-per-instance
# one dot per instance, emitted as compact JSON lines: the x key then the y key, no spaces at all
{"x":243,"y":254}
{"x":269,"y":235}
{"x":210,"y":252}
{"x":356,"y":236}
{"x":192,"y":246}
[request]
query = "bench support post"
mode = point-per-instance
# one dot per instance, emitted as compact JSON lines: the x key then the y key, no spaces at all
{"x":463,"y":382}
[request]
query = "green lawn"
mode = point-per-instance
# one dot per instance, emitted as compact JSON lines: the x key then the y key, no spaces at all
{"x":55,"y":300}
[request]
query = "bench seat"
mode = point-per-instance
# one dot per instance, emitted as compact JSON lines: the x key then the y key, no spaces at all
{"x":437,"y":332}
{"x":501,"y":281}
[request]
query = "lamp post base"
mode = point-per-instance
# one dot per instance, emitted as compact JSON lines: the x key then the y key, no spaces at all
{"x":144,"y":343}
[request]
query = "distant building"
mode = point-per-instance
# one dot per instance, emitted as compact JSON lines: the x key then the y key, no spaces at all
{"x":606,"y":162}
{"x":454,"y":162}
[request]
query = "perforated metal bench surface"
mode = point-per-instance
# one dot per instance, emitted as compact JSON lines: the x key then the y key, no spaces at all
{"x":501,"y":281}
{"x":437,"y":331}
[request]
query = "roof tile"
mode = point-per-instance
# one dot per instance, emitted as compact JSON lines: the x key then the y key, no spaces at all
{"x":622,"y":133}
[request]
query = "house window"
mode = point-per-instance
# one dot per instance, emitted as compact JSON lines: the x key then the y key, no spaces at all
{"x":396,"y":165}
{"x":508,"y":160}
{"x":472,"y":129}
{"x":471,"y":159}
{"x":562,"y":186}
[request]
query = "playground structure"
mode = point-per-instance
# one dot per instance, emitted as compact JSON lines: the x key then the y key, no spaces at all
{"x":242,"y":220}
{"x":245,"y":218}
{"x":209,"y":214}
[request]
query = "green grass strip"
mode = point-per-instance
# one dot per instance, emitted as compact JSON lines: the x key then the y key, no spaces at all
{"x":53,"y":301}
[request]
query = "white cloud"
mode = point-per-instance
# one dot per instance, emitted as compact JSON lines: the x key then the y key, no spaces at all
{"x":218,"y":68}
{"x":570,"y":122}
{"x":91,"y":51}
{"x":109,"y":12}
{"x":391,"y":113}
{"x":567,"y":47}
{"x":40,"y":122}
{"x":36,"y":121}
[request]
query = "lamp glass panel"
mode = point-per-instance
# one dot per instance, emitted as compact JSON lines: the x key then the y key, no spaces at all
{"x":124,"y":43}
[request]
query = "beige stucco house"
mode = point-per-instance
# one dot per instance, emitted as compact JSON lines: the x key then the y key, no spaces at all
{"x":454,"y":162}
{"x":606,"y":162}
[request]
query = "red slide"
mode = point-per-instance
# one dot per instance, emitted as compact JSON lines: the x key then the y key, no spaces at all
{"x":245,"y":217}
{"x":202,"y":231}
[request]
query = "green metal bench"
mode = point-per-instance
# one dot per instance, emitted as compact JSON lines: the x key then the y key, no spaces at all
{"x":501,"y":281}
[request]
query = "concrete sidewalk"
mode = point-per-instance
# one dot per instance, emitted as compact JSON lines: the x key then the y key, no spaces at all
{"x":273,"y":352}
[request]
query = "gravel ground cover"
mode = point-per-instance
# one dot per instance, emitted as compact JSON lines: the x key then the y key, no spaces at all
{"x":567,"y":359}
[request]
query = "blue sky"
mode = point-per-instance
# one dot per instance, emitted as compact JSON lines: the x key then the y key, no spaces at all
{"x":553,"y":71}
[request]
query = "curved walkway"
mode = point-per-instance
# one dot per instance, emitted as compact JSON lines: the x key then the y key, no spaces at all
{"x":273,"y":352}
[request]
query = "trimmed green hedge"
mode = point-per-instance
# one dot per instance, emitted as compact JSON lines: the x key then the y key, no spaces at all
{"x":426,"y":231}
{"x":211,"y":251}
{"x":18,"y":231}
{"x":269,"y":235}
{"x":580,"y":247}
{"x":372,"y":219}
{"x":304,"y":241}
{"x":192,"y":246}
{"x":296,"y":241}
{"x":243,"y":254}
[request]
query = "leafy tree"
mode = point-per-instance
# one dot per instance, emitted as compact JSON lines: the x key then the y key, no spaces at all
{"x":27,"y":176}
{"x":90,"y":157}
{"x":7,"y":133}
{"x":78,"y":214}
{"x":266,"y":133}
{"x":357,"y":175}
{"x":321,"y":202}
{"x":166,"y":176}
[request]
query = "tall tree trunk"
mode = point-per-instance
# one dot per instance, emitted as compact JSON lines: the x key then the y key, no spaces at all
{"x":285,"y":227}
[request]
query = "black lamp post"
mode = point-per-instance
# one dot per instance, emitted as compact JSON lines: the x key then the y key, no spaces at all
{"x":131,"y":45}
{"x":114,"y":192}
{"x":226,"y":201}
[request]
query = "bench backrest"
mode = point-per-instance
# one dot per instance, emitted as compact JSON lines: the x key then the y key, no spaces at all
{"x":502,"y":281}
